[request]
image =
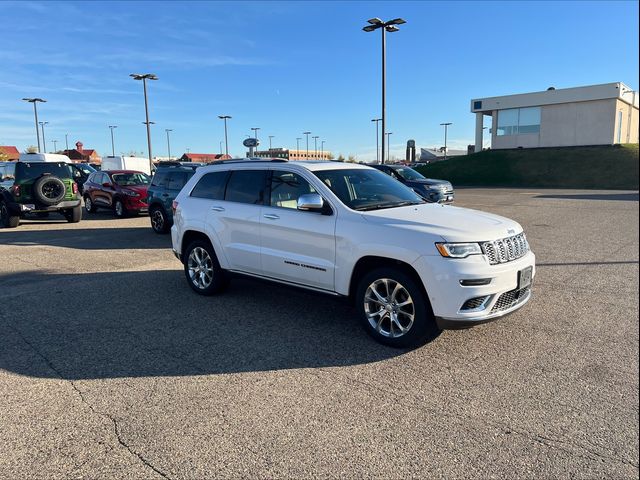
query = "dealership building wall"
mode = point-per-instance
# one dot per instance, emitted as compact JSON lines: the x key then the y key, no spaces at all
{"x":594,"y":115}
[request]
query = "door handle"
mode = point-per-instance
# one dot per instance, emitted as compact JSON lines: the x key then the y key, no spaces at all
{"x":271,"y":216}
{"x":217,"y":209}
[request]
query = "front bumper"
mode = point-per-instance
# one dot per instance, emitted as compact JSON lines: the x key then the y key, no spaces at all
{"x":442,"y":280}
{"x":439,"y":196}
{"x":134,"y":204}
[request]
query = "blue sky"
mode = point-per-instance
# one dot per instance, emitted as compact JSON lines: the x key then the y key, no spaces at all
{"x":288,"y":67}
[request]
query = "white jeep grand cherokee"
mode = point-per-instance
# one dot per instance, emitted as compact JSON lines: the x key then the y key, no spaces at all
{"x":411,"y":267}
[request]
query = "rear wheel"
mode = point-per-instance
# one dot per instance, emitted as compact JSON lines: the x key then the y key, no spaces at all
{"x":159,"y":220}
{"x":6,"y":219}
{"x":394,"y":309}
{"x":202,"y":269}
{"x":73,"y":215}
{"x":118,"y":207}
{"x":88,"y":204}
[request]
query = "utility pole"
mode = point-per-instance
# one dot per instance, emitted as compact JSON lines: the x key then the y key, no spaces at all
{"x":113,"y":147}
{"x":322,"y":149}
{"x":315,"y":146}
{"x":270,"y":137}
{"x":226,"y":140}
{"x":377,"y":144}
{"x":35,"y":112}
{"x":445,"y":125}
{"x":168,"y":144}
{"x":307,"y":135}
{"x":388,"y":144}
{"x":144,"y":77}
{"x":44,"y":143}
{"x":55,"y":145}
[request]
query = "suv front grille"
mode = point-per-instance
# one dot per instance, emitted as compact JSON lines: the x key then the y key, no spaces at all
{"x":506,"y":249}
{"x":510,"y":299}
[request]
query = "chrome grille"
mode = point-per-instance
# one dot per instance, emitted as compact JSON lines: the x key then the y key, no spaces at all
{"x":506,"y":249}
{"x":510,"y":299}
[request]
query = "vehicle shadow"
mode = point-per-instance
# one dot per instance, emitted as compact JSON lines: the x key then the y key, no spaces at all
{"x":88,"y":238}
{"x":150,"y":323}
{"x":625,"y":197}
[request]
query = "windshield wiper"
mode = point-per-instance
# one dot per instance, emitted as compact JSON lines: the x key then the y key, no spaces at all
{"x":377,"y":206}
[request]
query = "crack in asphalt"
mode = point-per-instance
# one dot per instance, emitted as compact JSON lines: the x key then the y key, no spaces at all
{"x":548,"y":442}
{"x":116,"y":426}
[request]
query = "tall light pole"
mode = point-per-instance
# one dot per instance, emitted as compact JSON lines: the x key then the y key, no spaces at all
{"x":44,"y":143}
{"x":377,"y":142}
{"x":322,"y":149}
{"x":220,"y":147}
{"x":113,"y":145}
{"x":388,"y":144}
{"x":298,"y":146}
{"x":270,"y":137}
{"x":55,"y":145}
{"x":144,"y":77}
{"x":148,"y":124}
{"x":35,"y":112}
{"x":167,"y":130}
{"x":66,"y":141}
{"x":255,"y":132}
{"x":307,"y":135}
{"x":226,"y":140}
{"x":445,"y":125}
{"x":315,"y":145}
{"x":390,"y":26}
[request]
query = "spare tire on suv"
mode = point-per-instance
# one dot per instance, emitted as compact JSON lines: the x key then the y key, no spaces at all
{"x":49,"y":190}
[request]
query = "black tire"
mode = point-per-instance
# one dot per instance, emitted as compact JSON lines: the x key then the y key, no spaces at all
{"x":119,"y":210}
{"x":89,"y":206}
{"x":73,"y":215}
{"x":201,"y":283}
{"x":416,"y":315}
{"x":159,"y":220}
{"x":6,"y":219}
{"x":49,"y":190}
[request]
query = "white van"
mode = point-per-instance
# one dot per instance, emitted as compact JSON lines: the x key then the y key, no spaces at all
{"x":43,"y":157}
{"x":126,"y":163}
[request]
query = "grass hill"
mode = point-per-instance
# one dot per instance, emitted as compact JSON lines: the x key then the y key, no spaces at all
{"x":600,"y":167}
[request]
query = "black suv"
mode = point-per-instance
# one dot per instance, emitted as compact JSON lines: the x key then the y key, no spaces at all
{"x":431,"y":189}
{"x":167,"y":182}
{"x":40,"y":188}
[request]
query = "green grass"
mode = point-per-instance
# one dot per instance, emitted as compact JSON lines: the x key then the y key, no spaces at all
{"x":602,"y":167}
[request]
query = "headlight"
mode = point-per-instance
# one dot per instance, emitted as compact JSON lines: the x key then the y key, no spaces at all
{"x":130,"y":193}
{"x":458,"y":250}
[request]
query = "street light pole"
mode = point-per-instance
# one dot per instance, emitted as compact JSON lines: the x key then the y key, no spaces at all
{"x":226,"y":140}
{"x":66,"y":141}
{"x":220,"y":147}
{"x":307,"y":135}
{"x":168,"y":143}
{"x":377,"y":143}
{"x":445,"y":125}
{"x":113,"y":145}
{"x":35,"y":112}
{"x":55,"y":145}
{"x":255,"y":132}
{"x":322,"y":149}
{"x":298,"y":146}
{"x":390,"y":26}
{"x":144,"y":77}
{"x":44,"y":142}
{"x":315,"y":145}
{"x":388,"y":144}
{"x":270,"y":137}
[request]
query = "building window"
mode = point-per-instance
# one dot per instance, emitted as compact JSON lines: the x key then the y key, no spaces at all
{"x":517,"y":121}
{"x":619,"y":126}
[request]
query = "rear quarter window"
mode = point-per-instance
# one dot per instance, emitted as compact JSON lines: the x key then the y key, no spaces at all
{"x":211,"y":186}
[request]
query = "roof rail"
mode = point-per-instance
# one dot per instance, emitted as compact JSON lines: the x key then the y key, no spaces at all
{"x":249,"y":159}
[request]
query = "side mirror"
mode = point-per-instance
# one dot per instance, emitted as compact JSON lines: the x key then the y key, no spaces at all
{"x":310,"y":201}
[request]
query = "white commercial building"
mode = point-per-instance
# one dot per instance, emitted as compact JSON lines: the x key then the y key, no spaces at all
{"x":593,"y":115}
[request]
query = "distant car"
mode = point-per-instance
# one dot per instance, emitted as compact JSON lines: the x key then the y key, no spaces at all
{"x":96,"y":166}
{"x":167,"y":182}
{"x":431,"y":189}
{"x":81,"y":172}
{"x":123,"y":191}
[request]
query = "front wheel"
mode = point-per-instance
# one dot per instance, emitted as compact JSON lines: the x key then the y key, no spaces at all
{"x":394,"y":309}
{"x":88,"y":205}
{"x":6,"y":219}
{"x":202,"y":269}
{"x":119,"y":209}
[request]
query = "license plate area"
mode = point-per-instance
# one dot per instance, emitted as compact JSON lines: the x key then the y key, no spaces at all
{"x":524,"y":277}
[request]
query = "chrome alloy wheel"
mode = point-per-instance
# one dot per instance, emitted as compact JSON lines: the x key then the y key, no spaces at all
{"x":87,"y":204}
{"x":157,"y":220}
{"x":200,"y":268}
{"x":119,"y":209}
{"x":389,"y":308}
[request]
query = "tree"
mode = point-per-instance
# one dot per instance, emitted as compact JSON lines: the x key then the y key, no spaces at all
{"x":31,"y":149}
{"x":341,"y":158}
{"x":352,"y":159}
{"x":330,"y":156}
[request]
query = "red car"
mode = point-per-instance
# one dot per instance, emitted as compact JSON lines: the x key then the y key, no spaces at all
{"x":123,"y":191}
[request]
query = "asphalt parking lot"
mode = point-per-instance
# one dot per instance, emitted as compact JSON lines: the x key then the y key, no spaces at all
{"x":110,"y":367}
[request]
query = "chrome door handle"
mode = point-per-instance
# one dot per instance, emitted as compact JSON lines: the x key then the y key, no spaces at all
{"x":271,"y":216}
{"x":217,"y":209}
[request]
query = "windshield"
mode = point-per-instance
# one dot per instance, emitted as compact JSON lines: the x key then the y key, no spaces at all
{"x":408,"y":173}
{"x":367,"y":189}
{"x":29,"y":171}
{"x":131,"y":179}
{"x":85,"y":168}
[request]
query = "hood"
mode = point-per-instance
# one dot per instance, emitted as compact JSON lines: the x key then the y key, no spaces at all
{"x":453,"y":224}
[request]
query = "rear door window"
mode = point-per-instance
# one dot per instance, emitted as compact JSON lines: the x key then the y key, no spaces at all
{"x":176,"y":180}
{"x":211,"y":186}
{"x":246,"y":186}
{"x":159,"y":179}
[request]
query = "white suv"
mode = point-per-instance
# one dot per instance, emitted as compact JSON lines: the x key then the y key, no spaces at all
{"x":411,"y":267}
